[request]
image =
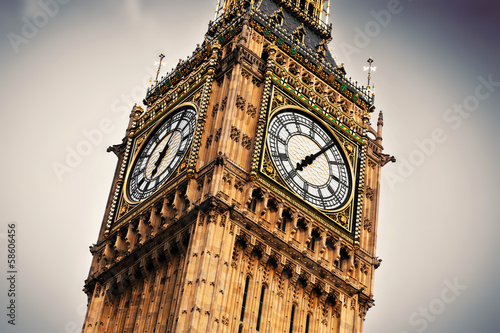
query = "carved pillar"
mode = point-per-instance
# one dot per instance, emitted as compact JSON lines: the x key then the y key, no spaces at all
{"x":295,"y":219}
{"x":281,"y":205}
{"x":323,"y":243}
{"x":177,"y":204}
{"x":131,"y":237}
{"x":189,"y":196}
{"x":309,"y":233}
{"x":350,"y":268}
{"x":336,"y":252}
{"x":249,"y":194}
{"x":155,"y":220}
{"x":264,"y":205}
{"x":120,"y":246}
{"x":166,"y":213}
{"x":109,"y":253}
{"x":144,"y":229}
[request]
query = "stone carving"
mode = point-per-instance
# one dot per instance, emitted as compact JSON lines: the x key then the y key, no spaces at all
{"x":251,"y":110}
{"x":215,"y":109}
{"x":246,"y":142}
{"x":209,"y":141}
{"x":217,"y":134}
{"x":235,"y":134}
{"x":367,"y":225}
{"x":223,"y":104}
{"x":370,"y":192}
{"x":240,"y":103}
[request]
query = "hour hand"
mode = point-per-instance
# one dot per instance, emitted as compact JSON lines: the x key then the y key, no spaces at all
{"x":310,"y":158}
{"x":305,"y":162}
{"x":160,"y":158}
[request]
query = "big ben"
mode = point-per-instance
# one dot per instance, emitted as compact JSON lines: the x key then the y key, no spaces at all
{"x":245,"y":196}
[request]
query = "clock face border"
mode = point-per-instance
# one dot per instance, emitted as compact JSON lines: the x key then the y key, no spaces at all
{"x":347,"y":219}
{"x":338,"y":144}
{"x":147,"y":135}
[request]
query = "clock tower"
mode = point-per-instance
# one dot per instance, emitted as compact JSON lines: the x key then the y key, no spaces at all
{"x":246,"y":192}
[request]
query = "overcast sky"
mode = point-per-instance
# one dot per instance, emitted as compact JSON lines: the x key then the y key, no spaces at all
{"x":75,"y":72}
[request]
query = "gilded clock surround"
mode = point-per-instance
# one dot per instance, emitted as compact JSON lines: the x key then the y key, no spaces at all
{"x":344,"y":217}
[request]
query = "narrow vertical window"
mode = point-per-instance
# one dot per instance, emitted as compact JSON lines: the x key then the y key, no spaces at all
{"x":292,"y":317}
{"x":261,"y":304}
{"x":307,"y":322}
{"x":253,"y":205}
{"x":283,"y":225}
{"x":243,"y":304}
{"x":312,"y":244}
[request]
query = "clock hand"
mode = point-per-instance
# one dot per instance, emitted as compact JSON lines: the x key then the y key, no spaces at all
{"x":160,"y":158}
{"x":310,"y":158}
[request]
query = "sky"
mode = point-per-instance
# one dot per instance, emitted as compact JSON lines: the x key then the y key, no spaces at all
{"x":72,"y":70}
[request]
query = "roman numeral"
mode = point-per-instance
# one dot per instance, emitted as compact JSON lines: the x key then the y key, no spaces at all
{"x":283,"y":156}
{"x":330,"y":189}
{"x":289,"y":176}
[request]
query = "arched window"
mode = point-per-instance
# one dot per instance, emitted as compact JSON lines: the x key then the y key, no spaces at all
{"x":253,"y":204}
{"x":292,"y":317}
{"x":244,"y":302}
{"x":307,"y":322}
{"x":261,"y":305}
{"x":312,"y":244}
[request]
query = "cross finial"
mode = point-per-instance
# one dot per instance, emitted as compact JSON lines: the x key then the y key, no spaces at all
{"x":159,"y":67}
{"x":369,"y":68}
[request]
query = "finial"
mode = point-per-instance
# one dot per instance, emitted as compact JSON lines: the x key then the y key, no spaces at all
{"x":380,"y":118}
{"x":159,"y":67}
{"x":217,"y":10}
{"x":327,"y":12}
{"x":369,"y":68}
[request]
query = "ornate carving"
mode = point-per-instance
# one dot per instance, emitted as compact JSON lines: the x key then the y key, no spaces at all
{"x":256,"y":81}
{"x":367,"y":224}
{"x":269,"y":170}
{"x":223,"y":104}
{"x":124,"y":209}
{"x":370,"y":193}
{"x":215,"y":109}
{"x":235,"y":134}
{"x":238,"y":184}
{"x":246,"y":142}
{"x":226,"y":177}
{"x":245,"y":74}
{"x":251,"y":110}
{"x":217,"y":134}
{"x":257,"y":38}
{"x":353,"y":304}
{"x":240,"y":102}
{"x":209,"y":141}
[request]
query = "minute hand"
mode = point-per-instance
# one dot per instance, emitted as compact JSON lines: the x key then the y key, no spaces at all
{"x":310,"y":158}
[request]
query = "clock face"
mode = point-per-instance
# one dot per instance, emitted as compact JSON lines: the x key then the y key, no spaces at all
{"x":161,"y":154}
{"x":309,"y":159}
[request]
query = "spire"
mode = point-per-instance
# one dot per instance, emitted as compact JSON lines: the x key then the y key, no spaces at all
{"x":380,"y":124}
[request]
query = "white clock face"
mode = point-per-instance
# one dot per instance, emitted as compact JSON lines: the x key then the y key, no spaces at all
{"x":161,"y":154}
{"x":309,"y":159}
